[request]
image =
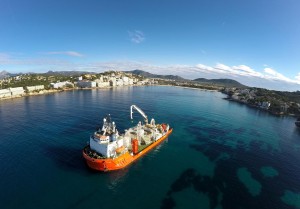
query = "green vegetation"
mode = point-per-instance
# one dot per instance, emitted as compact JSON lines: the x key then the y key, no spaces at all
{"x":229,"y":83}
{"x":33,"y":80}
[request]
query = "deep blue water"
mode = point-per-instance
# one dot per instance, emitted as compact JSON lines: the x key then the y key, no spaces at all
{"x":220,"y":155}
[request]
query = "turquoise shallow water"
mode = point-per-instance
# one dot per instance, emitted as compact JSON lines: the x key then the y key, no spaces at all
{"x":220,"y":155}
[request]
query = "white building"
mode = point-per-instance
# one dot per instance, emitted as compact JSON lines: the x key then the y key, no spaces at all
{"x":101,"y":83}
{"x":4,"y":93}
{"x":18,"y":91}
{"x":35,"y":88}
{"x":60,"y":84}
{"x":265,"y":105}
{"x":125,"y":80}
{"x":119,"y":82}
{"x":130,"y":81}
{"x":100,"y":79}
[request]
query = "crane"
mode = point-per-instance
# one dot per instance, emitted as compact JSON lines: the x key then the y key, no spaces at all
{"x":140,"y":111}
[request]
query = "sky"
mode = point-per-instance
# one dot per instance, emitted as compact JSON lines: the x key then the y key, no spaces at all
{"x":256,"y":42}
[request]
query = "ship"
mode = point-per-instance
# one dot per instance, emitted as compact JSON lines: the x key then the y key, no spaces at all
{"x":297,"y":123}
{"x":109,"y":150}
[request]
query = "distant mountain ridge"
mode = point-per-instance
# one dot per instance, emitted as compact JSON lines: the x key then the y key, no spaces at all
{"x":150,"y":75}
{"x":4,"y":74}
{"x":219,"y":82}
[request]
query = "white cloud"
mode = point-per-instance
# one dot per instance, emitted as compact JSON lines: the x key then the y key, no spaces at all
{"x":271,"y":71}
{"x":223,"y":67}
{"x":136,"y":36}
{"x":68,"y":53}
{"x":241,"y":70}
{"x":244,"y":68}
{"x":246,"y":71}
{"x":274,"y":75}
{"x":202,"y":68}
{"x":298,"y":77}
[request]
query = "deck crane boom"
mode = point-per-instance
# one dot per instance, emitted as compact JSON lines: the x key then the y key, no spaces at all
{"x":140,"y":111}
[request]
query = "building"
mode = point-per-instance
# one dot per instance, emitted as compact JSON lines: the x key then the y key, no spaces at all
{"x":86,"y":84}
{"x":12,"y":92}
{"x":35,"y":88}
{"x":130,"y":81}
{"x":113,"y":81}
{"x":284,"y":107}
{"x":101,"y":83}
{"x":61,"y":84}
{"x":119,"y":82}
{"x":125,"y":80}
{"x":18,"y":91}
{"x":265,"y":105}
{"x":4,"y":93}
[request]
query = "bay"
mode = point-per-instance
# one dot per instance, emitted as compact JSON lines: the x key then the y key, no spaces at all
{"x":220,"y":154}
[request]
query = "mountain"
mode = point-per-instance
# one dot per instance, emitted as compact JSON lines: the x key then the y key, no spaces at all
{"x":218,"y":82}
{"x":221,"y":82}
{"x":4,"y":74}
{"x":150,"y":75}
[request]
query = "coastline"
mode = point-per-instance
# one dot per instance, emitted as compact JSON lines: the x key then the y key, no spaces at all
{"x":186,"y":87}
{"x":43,"y":92}
{"x":281,"y":114}
{"x":53,"y":91}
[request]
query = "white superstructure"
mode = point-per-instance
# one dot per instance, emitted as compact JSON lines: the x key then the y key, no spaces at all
{"x":108,"y":143}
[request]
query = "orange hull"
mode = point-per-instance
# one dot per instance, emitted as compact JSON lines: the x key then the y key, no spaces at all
{"x":111,"y":164}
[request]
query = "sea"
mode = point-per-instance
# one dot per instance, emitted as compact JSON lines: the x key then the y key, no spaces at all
{"x":221,"y":154}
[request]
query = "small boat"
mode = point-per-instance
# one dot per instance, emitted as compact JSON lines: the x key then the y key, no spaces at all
{"x":297,"y":123}
{"x":108,"y":150}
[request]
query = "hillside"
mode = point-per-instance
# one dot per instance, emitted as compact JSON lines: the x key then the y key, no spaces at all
{"x":229,"y":83}
{"x":150,"y":75}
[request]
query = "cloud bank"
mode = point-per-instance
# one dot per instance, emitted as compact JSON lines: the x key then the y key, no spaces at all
{"x":268,"y":78}
{"x":265,"y":78}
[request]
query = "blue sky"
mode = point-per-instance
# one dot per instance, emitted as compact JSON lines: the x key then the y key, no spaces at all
{"x":256,"y":42}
